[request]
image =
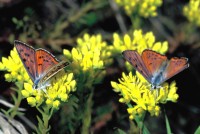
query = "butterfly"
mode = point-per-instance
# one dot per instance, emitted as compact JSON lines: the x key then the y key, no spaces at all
{"x":155,"y":68}
{"x":40,"y":64}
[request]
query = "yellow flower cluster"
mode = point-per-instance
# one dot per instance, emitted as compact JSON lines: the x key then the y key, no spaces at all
{"x":61,"y":84}
{"x":90,"y":55}
{"x":60,"y":88}
{"x":192,"y":11}
{"x":145,"y":8}
{"x":139,"y":41}
{"x":138,"y":95}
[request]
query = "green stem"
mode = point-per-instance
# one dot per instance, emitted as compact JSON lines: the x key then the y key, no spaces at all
{"x":43,"y":125}
{"x":12,"y":112}
{"x":136,"y":21}
{"x":17,"y":104}
{"x":141,"y":125}
{"x":87,"y":115}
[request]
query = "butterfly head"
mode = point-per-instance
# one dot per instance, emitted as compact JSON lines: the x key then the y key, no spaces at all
{"x":35,"y":86}
{"x":153,"y":87}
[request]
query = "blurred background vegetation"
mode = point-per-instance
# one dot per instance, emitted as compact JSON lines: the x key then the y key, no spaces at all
{"x":56,"y":24}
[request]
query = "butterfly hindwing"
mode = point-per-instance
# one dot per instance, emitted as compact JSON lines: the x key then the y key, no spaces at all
{"x":27,"y":56}
{"x":153,"y":61}
{"x":54,"y":70}
{"x":45,"y":61}
{"x":175,"y":66}
{"x":135,"y":59}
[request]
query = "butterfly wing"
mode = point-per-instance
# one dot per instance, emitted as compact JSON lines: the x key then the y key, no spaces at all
{"x":52,"y":71}
{"x":27,"y":56}
{"x":153,"y":60}
{"x":175,"y":66}
{"x":135,"y":59}
{"x":45,"y":60}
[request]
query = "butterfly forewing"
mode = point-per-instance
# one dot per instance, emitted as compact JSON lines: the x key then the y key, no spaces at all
{"x":175,"y":66}
{"x":45,"y":61}
{"x":27,"y":56}
{"x":153,"y":61}
{"x":135,"y":59}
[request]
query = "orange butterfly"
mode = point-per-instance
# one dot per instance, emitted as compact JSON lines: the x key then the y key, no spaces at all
{"x":156,"y":68}
{"x":40,"y":64}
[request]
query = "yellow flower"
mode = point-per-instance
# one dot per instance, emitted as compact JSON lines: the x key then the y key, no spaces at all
{"x":136,"y":92}
{"x":145,"y":8}
{"x":56,"y":104}
{"x":89,"y":58}
{"x":31,"y":101}
{"x":191,"y":11}
{"x":61,"y":84}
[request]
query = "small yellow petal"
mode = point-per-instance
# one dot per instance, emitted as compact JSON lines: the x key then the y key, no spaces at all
{"x":25,"y":93}
{"x":56,"y":104}
{"x":31,"y":101}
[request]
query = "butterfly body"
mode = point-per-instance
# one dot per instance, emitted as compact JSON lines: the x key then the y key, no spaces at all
{"x":40,"y":64}
{"x":156,"y":68}
{"x":158,"y":77}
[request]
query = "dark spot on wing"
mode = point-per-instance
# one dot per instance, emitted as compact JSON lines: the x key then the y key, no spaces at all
{"x":26,"y":54}
{"x":39,"y":64}
{"x":46,"y":60}
{"x":24,"y":60}
{"x":21,"y":50}
{"x":41,"y":57}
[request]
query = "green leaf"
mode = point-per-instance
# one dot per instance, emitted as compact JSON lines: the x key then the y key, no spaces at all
{"x":120,"y":131}
{"x":197,"y":131}
{"x":167,"y":125}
